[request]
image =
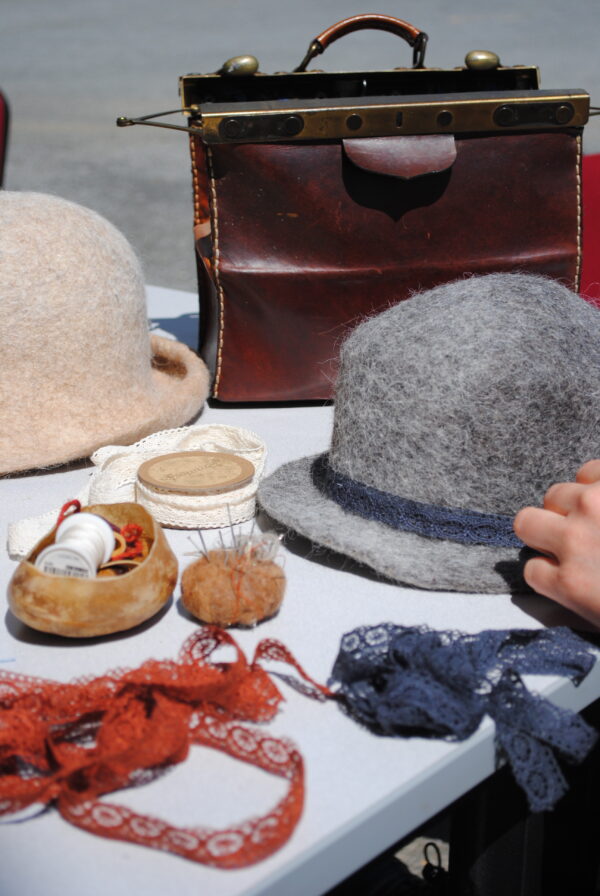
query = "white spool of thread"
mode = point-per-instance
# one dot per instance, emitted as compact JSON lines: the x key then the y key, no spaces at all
{"x":83,"y":541}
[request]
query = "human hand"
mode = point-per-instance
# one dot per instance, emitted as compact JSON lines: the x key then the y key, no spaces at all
{"x":567,"y":531}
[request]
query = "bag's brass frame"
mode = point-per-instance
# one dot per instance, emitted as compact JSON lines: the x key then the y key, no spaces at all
{"x":385,"y":116}
{"x":345,"y":117}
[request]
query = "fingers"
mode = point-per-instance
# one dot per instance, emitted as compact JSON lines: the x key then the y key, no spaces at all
{"x":568,"y":530}
{"x":576,"y":588}
{"x":589,"y":472}
{"x":563,"y":497}
{"x":541,"y":574}
{"x":542,"y":530}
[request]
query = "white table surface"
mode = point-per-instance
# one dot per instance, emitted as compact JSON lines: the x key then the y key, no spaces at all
{"x":363,"y":793}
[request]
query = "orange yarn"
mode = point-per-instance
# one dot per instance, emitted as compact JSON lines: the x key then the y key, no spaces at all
{"x":132,"y":533}
{"x":72,"y":743}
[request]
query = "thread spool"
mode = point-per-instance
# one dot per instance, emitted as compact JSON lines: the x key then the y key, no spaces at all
{"x":82,"y":542}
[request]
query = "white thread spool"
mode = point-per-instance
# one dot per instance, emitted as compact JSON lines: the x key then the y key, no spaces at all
{"x":83,"y":541}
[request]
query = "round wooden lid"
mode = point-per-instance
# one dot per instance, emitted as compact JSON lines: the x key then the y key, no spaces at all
{"x":196,"y":472}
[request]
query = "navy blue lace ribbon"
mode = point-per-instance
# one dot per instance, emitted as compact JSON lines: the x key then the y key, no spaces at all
{"x":431,"y":520}
{"x":413,"y":681}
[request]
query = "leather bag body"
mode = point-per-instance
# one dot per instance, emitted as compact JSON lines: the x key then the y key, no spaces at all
{"x":300,"y":240}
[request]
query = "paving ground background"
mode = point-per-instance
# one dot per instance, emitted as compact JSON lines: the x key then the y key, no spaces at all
{"x":70,"y":67}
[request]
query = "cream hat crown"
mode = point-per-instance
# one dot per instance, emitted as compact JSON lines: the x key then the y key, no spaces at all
{"x":79,"y":367}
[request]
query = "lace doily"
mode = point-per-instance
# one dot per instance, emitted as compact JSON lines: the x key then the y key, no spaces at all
{"x":115,"y":480}
{"x":419,"y":682}
{"x":70,"y":744}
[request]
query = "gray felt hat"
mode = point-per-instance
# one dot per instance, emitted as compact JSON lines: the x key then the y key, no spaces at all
{"x":454,"y":409}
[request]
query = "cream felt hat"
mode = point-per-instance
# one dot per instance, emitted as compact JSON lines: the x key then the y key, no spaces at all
{"x":453,"y":410}
{"x":79,"y":367}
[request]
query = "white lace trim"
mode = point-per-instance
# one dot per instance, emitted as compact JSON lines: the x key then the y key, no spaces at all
{"x":115,"y":480}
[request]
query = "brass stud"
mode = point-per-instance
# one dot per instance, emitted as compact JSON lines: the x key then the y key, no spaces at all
{"x":232,"y":128}
{"x":564,"y":113}
{"x":239,"y":65}
{"x":354,"y":122}
{"x":505,"y":116}
{"x":292,"y":125}
{"x":482,"y":60}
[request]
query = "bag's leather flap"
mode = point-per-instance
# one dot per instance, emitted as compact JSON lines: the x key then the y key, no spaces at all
{"x":404,"y":157}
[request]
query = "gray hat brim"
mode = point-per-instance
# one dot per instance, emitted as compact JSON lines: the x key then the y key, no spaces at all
{"x":290,"y":497}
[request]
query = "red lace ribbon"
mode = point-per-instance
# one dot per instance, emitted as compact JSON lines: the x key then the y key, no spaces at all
{"x":73,"y":743}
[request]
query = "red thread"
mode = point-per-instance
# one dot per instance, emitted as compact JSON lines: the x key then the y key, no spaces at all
{"x":132,"y":533}
{"x":74,"y":743}
{"x":66,"y":511}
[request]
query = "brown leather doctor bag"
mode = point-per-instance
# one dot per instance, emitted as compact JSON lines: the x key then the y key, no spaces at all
{"x":322,"y":198}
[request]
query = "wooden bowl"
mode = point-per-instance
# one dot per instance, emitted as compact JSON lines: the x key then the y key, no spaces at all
{"x":85,"y":608}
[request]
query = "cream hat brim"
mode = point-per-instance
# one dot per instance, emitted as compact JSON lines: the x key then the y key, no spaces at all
{"x":178,"y":386}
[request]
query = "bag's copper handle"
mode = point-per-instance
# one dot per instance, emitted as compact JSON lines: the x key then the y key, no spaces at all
{"x":414,"y":38}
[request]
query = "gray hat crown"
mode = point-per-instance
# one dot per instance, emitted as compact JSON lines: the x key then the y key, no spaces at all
{"x":477,"y":394}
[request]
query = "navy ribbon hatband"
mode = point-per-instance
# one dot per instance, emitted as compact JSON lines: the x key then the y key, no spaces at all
{"x":406,"y":515}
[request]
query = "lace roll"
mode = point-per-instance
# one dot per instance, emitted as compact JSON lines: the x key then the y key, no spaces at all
{"x":115,"y":479}
{"x":73,"y":743}
{"x":412,"y":681}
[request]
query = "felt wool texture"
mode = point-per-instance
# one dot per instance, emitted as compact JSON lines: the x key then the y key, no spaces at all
{"x":478,"y":395}
{"x":80,"y":369}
